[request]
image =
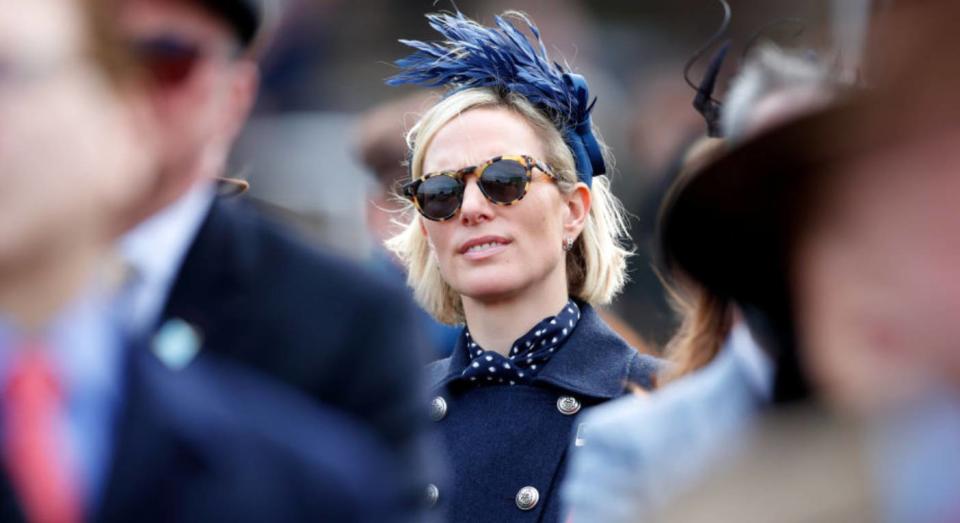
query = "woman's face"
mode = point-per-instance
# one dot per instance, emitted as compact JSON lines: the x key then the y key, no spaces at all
{"x":489,"y":252}
{"x":878,"y":298}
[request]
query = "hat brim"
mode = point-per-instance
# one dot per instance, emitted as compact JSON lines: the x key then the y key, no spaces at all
{"x":730,"y":225}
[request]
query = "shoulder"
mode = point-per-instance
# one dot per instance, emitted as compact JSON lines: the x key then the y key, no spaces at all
{"x":644,"y":422}
{"x":244,"y":267}
{"x":248,"y":282}
{"x":437,"y":371}
{"x":645,"y":447}
{"x":631,"y":445}
{"x":656,"y":414}
{"x":609,"y":470}
{"x":644,"y":369}
{"x":613,"y":429}
{"x":278,"y":255}
{"x":607,"y":349}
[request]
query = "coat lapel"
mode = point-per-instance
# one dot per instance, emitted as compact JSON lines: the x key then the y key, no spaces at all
{"x":211,"y":287}
{"x":595,"y":362}
{"x":150,"y":452}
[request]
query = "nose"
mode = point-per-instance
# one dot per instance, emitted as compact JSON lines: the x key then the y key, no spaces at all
{"x":475,"y":207}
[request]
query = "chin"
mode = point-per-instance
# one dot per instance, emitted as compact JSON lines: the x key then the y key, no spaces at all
{"x":488,"y":285}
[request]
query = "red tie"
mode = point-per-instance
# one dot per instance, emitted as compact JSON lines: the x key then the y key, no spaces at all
{"x":35,"y":456}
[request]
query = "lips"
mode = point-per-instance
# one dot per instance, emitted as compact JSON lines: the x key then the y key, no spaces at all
{"x":483,"y":244}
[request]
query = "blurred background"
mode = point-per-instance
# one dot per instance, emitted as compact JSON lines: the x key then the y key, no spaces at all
{"x":324,"y":153}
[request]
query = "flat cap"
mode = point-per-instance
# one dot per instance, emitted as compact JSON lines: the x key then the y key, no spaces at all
{"x":246,"y":17}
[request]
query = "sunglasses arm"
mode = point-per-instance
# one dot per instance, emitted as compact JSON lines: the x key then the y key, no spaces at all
{"x":409,"y":189}
{"x":542,"y":168}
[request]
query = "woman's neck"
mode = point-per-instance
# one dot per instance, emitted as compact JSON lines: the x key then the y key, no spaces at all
{"x":496,"y":324}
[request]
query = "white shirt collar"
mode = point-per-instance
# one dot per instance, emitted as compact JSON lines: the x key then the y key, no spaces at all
{"x":155,"y":250}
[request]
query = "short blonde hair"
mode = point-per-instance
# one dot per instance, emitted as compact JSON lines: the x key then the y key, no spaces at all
{"x":596,"y":265}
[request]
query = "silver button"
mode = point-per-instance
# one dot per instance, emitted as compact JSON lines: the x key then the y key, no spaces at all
{"x":527,"y":498}
{"x":438,"y":408}
{"x":568,"y":405}
{"x":433,"y":495}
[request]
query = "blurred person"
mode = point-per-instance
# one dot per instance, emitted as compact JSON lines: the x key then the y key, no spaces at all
{"x":771,"y":81}
{"x":252,"y":290}
{"x":853,"y":208}
{"x":383,"y":151}
{"x":774,"y":86}
{"x":706,"y":319}
{"x":95,"y":427}
{"x":634,"y":461}
{"x":518,"y":238}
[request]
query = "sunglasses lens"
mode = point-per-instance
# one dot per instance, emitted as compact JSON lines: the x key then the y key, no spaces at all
{"x":439,"y":197}
{"x":169,"y":61}
{"x":504,"y":181}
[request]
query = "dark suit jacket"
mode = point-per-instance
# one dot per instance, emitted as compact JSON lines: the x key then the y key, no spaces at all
{"x":500,"y":439}
{"x":215,"y":442}
{"x":314,"y":321}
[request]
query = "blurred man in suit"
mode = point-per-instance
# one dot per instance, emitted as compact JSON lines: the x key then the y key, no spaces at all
{"x":94,"y":426}
{"x":253,"y":291}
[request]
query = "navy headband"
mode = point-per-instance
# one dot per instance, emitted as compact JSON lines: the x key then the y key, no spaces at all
{"x":502,"y":57}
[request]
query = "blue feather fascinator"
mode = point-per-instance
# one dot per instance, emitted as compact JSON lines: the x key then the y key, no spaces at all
{"x":503,"y":57}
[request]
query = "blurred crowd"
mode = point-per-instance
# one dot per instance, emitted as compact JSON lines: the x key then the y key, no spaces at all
{"x":559,"y":261}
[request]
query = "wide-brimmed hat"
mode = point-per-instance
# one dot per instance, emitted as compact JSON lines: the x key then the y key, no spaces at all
{"x":729,"y":225}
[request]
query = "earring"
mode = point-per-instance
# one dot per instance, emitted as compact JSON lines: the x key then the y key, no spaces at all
{"x":567,"y":244}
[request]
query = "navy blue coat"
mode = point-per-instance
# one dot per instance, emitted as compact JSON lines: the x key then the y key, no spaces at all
{"x":217,"y":442}
{"x":500,"y":439}
{"x":342,"y":335}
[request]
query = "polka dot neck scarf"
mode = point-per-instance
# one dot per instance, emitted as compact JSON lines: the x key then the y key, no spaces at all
{"x":529,"y":354}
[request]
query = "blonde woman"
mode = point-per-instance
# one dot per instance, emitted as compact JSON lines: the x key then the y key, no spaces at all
{"x":515,"y":238}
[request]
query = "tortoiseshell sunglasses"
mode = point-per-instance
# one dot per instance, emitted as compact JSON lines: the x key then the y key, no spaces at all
{"x":502,"y":180}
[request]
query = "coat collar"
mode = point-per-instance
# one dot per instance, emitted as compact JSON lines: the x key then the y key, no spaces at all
{"x":594,"y":362}
{"x":215,"y":276}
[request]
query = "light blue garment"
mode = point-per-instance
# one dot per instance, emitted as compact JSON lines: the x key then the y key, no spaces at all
{"x":86,"y":352}
{"x":638,"y":452}
{"x":915,"y":459}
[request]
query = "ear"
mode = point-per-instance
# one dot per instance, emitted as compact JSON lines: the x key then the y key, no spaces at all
{"x":577,"y":209}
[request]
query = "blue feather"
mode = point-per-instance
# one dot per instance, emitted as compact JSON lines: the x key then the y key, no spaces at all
{"x":470,"y":55}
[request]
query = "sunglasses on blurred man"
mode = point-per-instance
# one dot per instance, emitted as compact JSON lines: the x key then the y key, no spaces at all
{"x":171,"y":60}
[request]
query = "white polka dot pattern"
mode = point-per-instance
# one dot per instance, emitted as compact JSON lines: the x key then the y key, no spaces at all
{"x":527,"y":356}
